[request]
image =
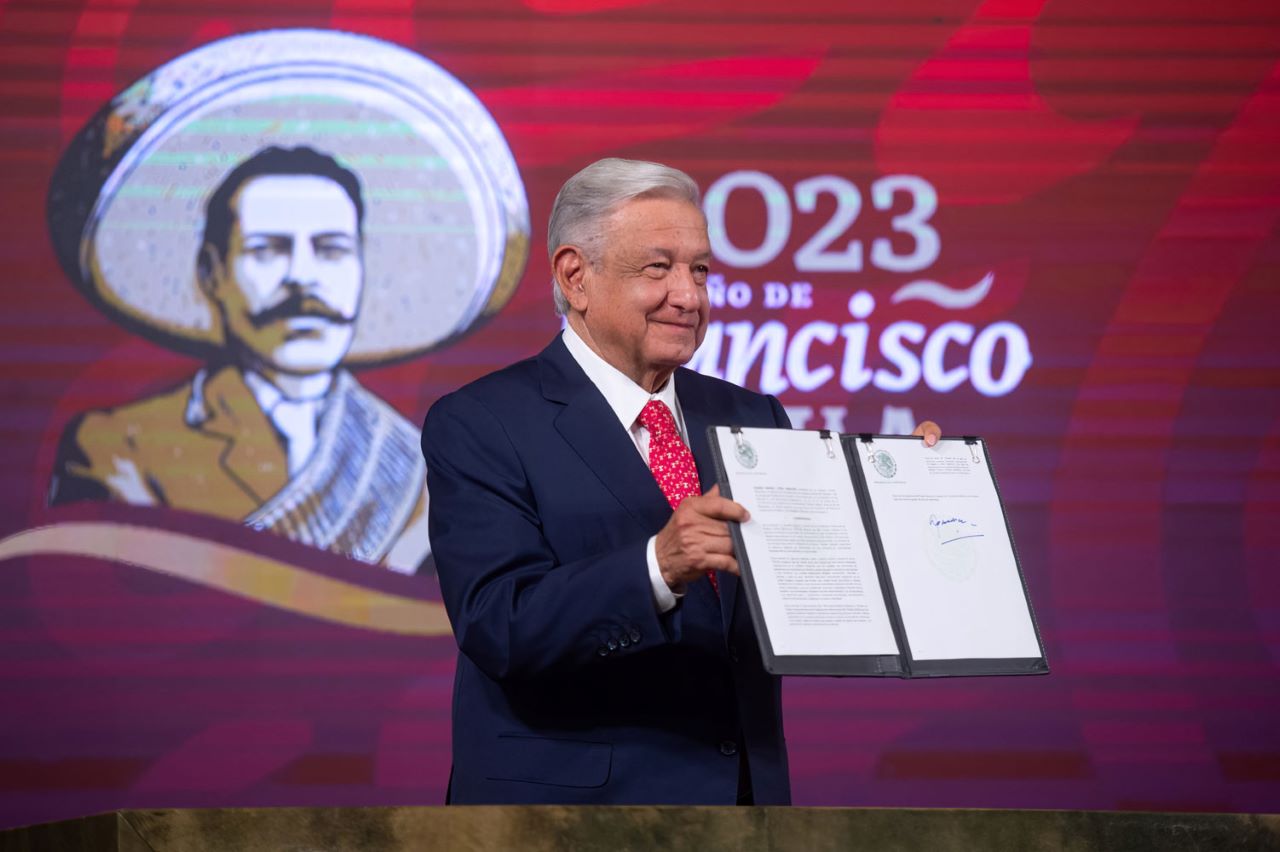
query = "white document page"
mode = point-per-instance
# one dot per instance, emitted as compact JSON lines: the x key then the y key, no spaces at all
{"x":810,"y":558}
{"x":948,"y":550}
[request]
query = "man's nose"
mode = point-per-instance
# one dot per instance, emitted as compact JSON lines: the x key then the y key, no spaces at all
{"x":303,"y":270}
{"x":682,"y":291}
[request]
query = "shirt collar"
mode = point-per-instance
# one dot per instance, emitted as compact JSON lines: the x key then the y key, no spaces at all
{"x":625,"y":397}
{"x":267,"y":394}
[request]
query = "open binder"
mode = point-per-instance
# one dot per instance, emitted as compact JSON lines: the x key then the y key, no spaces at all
{"x":872,"y":555}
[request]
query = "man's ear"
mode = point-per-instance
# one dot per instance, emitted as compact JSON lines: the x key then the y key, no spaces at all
{"x":208,"y":269}
{"x":569,"y":266}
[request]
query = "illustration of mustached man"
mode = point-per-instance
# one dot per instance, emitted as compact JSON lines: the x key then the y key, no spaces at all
{"x":272,"y":431}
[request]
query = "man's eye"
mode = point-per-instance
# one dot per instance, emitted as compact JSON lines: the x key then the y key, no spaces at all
{"x":331,"y":251}
{"x":261,"y":251}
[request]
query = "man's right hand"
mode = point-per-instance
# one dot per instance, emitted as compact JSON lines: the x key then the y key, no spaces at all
{"x":696,"y":538}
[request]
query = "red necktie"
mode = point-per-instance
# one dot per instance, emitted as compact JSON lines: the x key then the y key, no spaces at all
{"x":670,"y":461}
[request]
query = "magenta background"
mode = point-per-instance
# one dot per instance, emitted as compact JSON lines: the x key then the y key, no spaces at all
{"x":1115,"y":163}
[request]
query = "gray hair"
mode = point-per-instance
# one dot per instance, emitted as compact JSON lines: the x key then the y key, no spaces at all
{"x":593,"y":194}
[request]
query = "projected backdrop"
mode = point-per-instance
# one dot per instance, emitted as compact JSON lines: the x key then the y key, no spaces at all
{"x":1046,"y":223}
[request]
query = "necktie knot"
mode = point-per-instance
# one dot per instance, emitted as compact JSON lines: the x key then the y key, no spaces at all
{"x":656,"y":417}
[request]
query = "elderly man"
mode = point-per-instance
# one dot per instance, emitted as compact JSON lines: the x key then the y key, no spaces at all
{"x":606,"y":652}
{"x":271,"y":431}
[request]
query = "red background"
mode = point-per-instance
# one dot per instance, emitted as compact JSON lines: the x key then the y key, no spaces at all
{"x":1115,"y":165}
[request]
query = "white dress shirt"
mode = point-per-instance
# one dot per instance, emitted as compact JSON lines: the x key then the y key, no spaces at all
{"x":294,"y":419}
{"x":627,"y":399}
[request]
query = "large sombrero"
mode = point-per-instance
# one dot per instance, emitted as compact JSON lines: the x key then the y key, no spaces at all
{"x":446,"y":221}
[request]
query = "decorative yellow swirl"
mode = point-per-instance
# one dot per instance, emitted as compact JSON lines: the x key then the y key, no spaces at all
{"x":239,"y":572}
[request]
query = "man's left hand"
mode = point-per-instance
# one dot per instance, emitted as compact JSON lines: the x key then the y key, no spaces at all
{"x":929,"y":431}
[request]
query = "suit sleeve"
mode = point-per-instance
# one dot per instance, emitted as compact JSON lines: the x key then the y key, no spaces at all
{"x":517,"y":612}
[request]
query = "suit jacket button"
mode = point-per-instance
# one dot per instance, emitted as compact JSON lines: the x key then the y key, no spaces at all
{"x":728,"y":748}
{"x":635,"y":635}
{"x":602,"y":651}
{"x":613,"y":644}
{"x":624,"y":641}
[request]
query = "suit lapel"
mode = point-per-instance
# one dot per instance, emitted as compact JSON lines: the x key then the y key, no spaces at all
{"x":254,"y":457}
{"x":696,"y":420}
{"x":589,"y":425}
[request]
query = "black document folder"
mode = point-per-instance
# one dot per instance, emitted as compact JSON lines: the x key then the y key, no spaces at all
{"x":873,"y":555}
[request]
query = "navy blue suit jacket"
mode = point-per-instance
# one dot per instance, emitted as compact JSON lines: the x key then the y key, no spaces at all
{"x":570,"y":686}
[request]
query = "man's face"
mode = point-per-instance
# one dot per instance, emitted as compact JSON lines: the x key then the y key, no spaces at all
{"x":290,"y":284}
{"x":646,"y":302}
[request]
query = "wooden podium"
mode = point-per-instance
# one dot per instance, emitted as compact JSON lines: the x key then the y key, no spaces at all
{"x":472,"y":829}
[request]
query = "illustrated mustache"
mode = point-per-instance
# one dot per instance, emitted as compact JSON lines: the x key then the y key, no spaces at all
{"x":299,"y":305}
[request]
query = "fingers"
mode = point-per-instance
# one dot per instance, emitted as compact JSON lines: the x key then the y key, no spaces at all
{"x":717,"y":541}
{"x":707,"y":537}
{"x":718,"y":562}
{"x":930,"y":431}
{"x":712,"y":505}
{"x":723,"y":510}
{"x":718,"y":547}
{"x":694,"y":541}
{"x":679,"y":569}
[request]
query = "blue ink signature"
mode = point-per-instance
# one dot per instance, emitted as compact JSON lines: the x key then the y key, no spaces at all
{"x":953,"y":523}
